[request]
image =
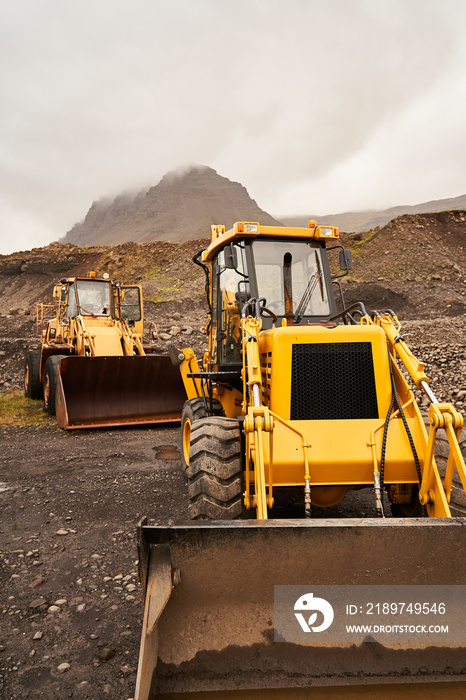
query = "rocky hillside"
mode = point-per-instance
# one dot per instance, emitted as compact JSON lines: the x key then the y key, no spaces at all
{"x":164,"y":269}
{"x":181,"y":207}
{"x":415,"y":265}
{"x":366,"y":220}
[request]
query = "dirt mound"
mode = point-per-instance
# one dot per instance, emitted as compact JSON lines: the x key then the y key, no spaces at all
{"x":414,"y":265}
{"x":181,"y":207}
{"x":164,"y":269}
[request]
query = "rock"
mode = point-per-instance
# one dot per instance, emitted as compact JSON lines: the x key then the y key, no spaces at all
{"x":38,"y":603}
{"x":64,"y":667}
{"x":37,"y":582}
{"x":126,"y":670}
{"x":38,"y":635}
{"x":53,"y":609}
{"x":61,"y":532}
{"x":106,"y":654}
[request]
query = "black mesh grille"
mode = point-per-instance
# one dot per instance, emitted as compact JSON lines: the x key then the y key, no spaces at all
{"x":333,"y":381}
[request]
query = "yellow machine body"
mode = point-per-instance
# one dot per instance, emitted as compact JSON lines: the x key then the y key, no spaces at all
{"x":313,"y":397}
{"x":339,"y":450}
{"x":105,"y":374}
{"x":295,"y":395}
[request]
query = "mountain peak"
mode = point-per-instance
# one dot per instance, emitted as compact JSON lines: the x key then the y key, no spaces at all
{"x":181,"y":207}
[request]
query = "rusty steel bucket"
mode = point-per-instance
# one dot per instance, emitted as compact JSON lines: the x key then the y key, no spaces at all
{"x":209,"y":607}
{"x":94,"y":392}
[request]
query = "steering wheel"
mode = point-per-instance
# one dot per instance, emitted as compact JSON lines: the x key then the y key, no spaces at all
{"x":89,"y":311}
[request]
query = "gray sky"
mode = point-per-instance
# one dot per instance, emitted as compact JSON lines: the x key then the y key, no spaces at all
{"x":315,"y":106}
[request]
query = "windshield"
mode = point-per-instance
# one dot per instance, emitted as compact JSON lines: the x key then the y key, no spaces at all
{"x":289,"y":277}
{"x":93,"y":297}
{"x":233,"y":291}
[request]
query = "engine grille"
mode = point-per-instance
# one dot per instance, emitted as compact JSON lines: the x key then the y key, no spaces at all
{"x":333,"y":381}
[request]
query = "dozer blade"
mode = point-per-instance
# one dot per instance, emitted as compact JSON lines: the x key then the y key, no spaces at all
{"x":209,"y":607}
{"x":94,"y":392}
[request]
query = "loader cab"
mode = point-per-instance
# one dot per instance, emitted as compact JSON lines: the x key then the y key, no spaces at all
{"x":130,"y":307}
{"x":290,"y":276}
{"x":88,"y":297}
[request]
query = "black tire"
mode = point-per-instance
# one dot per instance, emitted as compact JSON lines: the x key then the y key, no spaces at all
{"x":194,"y":409}
{"x":408,"y":510}
{"x":32,"y":383}
{"x":457,"y":494}
{"x":214,"y":472}
{"x":50,"y":383}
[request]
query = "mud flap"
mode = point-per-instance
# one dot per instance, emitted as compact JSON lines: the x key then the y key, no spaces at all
{"x":216,"y":631}
{"x":94,"y":392}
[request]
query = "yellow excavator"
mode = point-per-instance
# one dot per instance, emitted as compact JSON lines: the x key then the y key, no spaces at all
{"x":297,"y":405}
{"x":93,"y":368}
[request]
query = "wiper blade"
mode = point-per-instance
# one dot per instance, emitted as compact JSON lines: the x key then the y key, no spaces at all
{"x":308,"y":292}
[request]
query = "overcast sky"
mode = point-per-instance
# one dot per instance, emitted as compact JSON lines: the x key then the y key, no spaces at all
{"x":315,"y":106}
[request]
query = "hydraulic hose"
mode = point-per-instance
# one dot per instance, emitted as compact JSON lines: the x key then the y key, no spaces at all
{"x":396,"y":400}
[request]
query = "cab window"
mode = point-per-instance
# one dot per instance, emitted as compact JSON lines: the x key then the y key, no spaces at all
{"x":93,"y":297}
{"x":289,"y":277}
{"x":130,"y":304}
{"x":232,"y":287}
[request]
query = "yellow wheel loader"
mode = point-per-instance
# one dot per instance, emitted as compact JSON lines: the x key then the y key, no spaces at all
{"x":93,"y":368}
{"x":297,"y":398}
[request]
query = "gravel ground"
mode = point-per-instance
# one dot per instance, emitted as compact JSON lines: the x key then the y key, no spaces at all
{"x":70,"y":604}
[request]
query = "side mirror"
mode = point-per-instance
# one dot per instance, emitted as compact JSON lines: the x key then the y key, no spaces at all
{"x":231,"y":257}
{"x":346,"y":260}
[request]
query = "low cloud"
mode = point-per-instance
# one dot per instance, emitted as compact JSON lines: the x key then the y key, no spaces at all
{"x":313,"y":107}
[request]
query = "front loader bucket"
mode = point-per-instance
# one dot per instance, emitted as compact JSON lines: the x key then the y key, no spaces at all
{"x":209,"y":607}
{"x":94,"y":392}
